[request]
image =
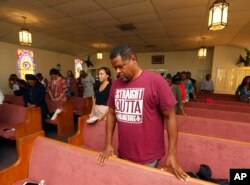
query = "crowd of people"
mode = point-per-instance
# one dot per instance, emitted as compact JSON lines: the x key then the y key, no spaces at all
{"x":184,"y":88}
{"x":58,"y":88}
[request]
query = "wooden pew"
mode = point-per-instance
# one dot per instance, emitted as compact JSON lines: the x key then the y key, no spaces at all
{"x":219,"y":97}
{"x":224,"y":102}
{"x":65,"y":119}
{"x":219,"y":154}
{"x":12,"y":99}
{"x":21,"y":120}
{"x":232,"y":108}
{"x":193,"y":150}
{"x":81,"y":105}
{"x":60,"y":163}
{"x":218,"y":114}
{"x":214,"y":127}
{"x":92,"y":136}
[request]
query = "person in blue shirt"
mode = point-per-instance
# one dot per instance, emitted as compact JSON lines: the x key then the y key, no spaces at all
{"x":243,"y":90}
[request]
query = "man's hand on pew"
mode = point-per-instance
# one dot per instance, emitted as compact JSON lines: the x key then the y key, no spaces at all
{"x":103,"y":156}
{"x":175,"y":167}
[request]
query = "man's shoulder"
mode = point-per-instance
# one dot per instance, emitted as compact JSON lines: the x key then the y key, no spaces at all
{"x":152,"y":75}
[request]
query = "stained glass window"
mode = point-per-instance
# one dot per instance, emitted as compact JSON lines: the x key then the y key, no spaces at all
{"x":26,"y":63}
{"x":78,"y":67}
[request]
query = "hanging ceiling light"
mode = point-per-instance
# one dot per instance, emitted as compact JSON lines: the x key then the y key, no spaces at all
{"x":218,"y":14}
{"x":202,"y":52}
{"x":25,"y":37}
{"x":99,"y":55}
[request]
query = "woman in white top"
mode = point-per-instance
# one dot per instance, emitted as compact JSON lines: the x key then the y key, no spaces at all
{"x":88,"y":85}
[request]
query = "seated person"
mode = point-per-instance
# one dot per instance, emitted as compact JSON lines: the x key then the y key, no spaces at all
{"x":243,"y":90}
{"x":207,"y":85}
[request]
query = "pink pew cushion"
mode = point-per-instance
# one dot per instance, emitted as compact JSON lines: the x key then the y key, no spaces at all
{"x":78,"y":105}
{"x":12,"y":99}
{"x":12,"y":114}
{"x":218,"y":114}
{"x":219,"y":154}
{"x":95,"y":135}
{"x":53,"y":105}
{"x":214,"y":127}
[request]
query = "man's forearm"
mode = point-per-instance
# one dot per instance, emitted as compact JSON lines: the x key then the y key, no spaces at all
{"x":172,"y":129}
{"x":110,"y":126}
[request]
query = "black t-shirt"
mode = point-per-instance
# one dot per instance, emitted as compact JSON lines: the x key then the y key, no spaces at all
{"x":102,"y":96}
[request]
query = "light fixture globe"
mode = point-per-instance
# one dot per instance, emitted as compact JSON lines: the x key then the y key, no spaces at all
{"x":202,"y":52}
{"x":99,"y":55}
{"x":218,"y":14}
{"x":25,"y":37}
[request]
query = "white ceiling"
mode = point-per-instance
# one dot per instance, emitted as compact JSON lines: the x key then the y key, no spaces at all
{"x":80,"y":27}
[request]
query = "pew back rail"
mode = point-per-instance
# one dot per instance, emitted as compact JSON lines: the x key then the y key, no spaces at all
{"x":17,"y":121}
{"x":42,"y":157}
{"x":64,"y":120}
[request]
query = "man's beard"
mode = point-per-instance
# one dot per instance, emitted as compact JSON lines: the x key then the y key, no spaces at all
{"x":124,"y":78}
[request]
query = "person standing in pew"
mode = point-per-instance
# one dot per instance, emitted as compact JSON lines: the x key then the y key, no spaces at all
{"x":174,"y":84}
{"x":139,"y":103}
{"x":102,"y":93}
{"x":57,"y":86}
{"x":34,"y":94}
{"x":71,"y":84}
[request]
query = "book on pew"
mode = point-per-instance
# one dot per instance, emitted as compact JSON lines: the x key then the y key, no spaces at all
{"x":55,"y":114}
{"x":92,"y":120}
{"x":42,"y":182}
{"x":9,"y":129}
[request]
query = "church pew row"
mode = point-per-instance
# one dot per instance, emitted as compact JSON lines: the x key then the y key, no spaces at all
{"x":224,"y":102}
{"x":193,"y":150}
{"x":232,"y":108}
{"x":214,"y":127}
{"x":18,"y":121}
{"x":12,"y":99}
{"x":91,"y":136}
{"x":220,"y":154}
{"x":60,"y":163}
{"x":218,"y":114}
{"x":81,"y":105}
{"x":219,"y":97}
{"x":64,"y":120}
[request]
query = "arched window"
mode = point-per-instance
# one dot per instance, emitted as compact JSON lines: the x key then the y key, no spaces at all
{"x":26,"y":63}
{"x":78,"y":67}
